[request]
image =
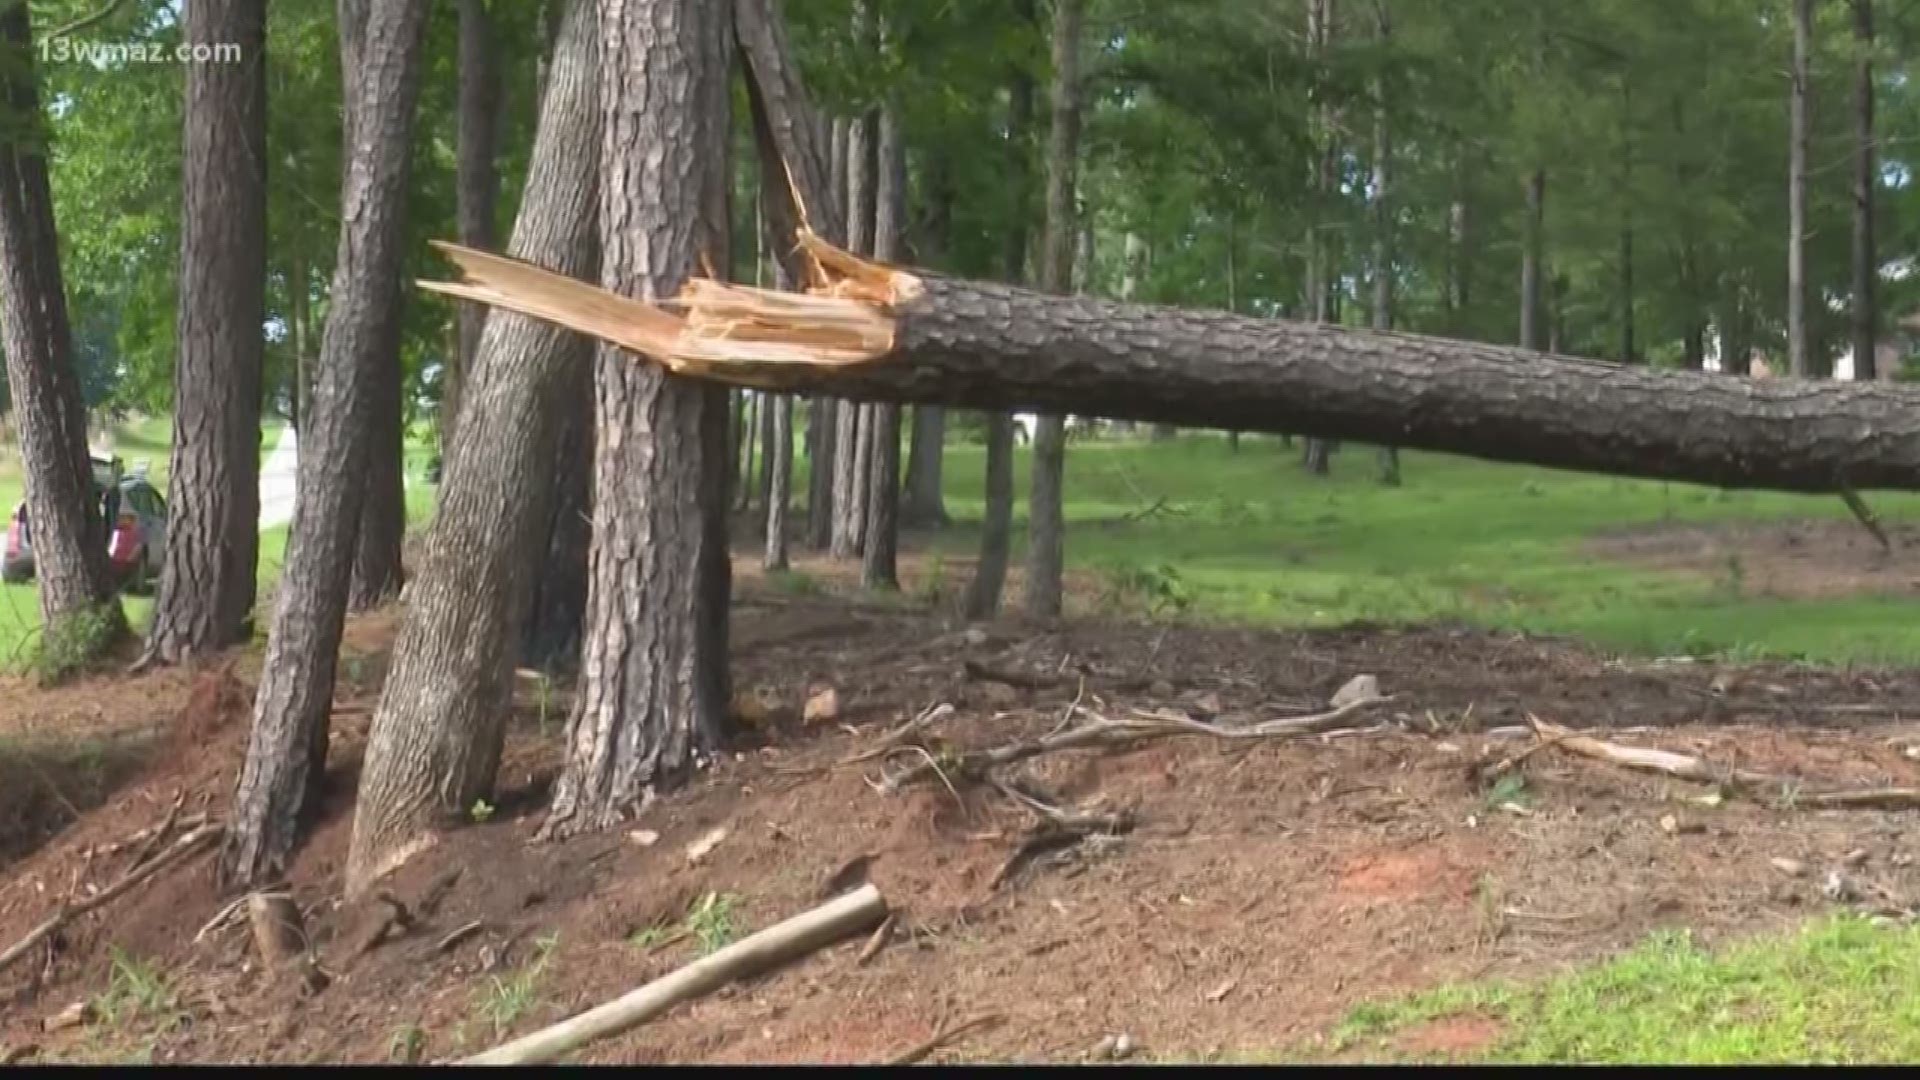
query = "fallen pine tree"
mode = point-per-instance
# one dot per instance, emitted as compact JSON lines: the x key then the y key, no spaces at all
{"x":869,"y":332}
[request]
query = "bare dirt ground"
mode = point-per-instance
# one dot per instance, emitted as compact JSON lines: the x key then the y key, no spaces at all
{"x":1788,"y":560}
{"x":1268,"y":887}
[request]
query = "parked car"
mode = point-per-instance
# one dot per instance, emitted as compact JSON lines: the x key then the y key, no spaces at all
{"x":134,"y":515}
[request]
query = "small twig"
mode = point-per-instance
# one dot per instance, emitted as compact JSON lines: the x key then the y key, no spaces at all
{"x":159,"y":834}
{"x":457,"y":935}
{"x":220,"y":920}
{"x":888,"y":743}
{"x":875,"y":943}
{"x":942,"y":1037}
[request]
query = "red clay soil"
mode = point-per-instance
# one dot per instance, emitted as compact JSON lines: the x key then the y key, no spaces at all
{"x":1269,"y":886}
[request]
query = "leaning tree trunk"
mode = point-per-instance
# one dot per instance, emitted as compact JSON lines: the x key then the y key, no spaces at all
{"x":49,"y":413}
{"x":996,"y":521}
{"x":1799,"y":360}
{"x":652,"y":698}
{"x":287,"y":750}
{"x":213,"y":520}
{"x":476,"y":184}
{"x":437,"y":734}
{"x":1046,"y":522}
{"x":1866,"y":172}
{"x":878,"y":569}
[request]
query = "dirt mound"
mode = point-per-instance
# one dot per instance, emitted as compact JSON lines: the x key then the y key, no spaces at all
{"x":1268,"y":887}
{"x":1791,"y":560}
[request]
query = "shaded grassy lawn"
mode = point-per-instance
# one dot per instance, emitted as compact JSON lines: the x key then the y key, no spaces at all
{"x":1251,"y":538}
{"x":1838,"y":991}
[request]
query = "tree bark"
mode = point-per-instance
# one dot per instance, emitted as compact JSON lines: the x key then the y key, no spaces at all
{"x":1798,"y":344}
{"x":970,"y":344}
{"x":476,"y":184}
{"x":376,"y":577}
{"x":878,"y":569}
{"x":1046,"y":522}
{"x":213,"y":516}
{"x":435,"y":743}
{"x":70,"y":558}
{"x":1383,"y":267}
{"x":1866,"y":172}
{"x":1531,"y":271}
{"x":551,"y":638}
{"x":652,"y":701}
{"x":287,"y":749}
{"x":924,"y":504}
{"x":854,"y":436}
{"x":996,"y":524}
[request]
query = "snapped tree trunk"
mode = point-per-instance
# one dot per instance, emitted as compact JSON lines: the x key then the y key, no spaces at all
{"x":878,"y":569}
{"x":1801,"y":90}
{"x":652,"y":701}
{"x":437,"y":733}
{"x":50,"y":416}
{"x":1866,"y":172}
{"x":213,"y":517}
{"x":1046,"y":523}
{"x":914,"y":337}
{"x":476,"y":184}
{"x":287,"y":750}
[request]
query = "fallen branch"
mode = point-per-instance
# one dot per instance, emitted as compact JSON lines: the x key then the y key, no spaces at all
{"x":1785,"y":792}
{"x":183,"y":847}
{"x":942,"y":1037}
{"x":1105,"y":732}
{"x":796,"y":937}
{"x":887,"y":744}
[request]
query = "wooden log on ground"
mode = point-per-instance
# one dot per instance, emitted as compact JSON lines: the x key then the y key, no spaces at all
{"x":850,"y":914}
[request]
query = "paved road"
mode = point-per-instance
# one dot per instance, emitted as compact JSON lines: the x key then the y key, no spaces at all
{"x":276,"y":482}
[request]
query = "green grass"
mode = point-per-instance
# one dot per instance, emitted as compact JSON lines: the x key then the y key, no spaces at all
{"x":1837,"y":991}
{"x":1253,"y":539}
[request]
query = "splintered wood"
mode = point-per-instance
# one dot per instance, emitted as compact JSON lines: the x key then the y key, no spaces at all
{"x":733,"y":332}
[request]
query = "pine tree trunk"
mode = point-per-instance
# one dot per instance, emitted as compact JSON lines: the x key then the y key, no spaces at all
{"x":924,"y":504}
{"x":996,"y":525}
{"x":1315,"y":454}
{"x":763,"y":488}
{"x":213,"y":517}
{"x":879,"y":568}
{"x":437,"y":734}
{"x":550,"y":641}
{"x":1799,"y":362}
{"x":1531,"y":271}
{"x":652,"y":701}
{"x":1046,"y":533}
{"x":1866,"y":172}
{"x":1383,"y":266}
{"x":854,"y":440}
{"x":476,"y":185}
{"x":287,"y":750}
{"x":780,"y":469}
{"x":300,"y":319}
{"x":70,"y":558}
